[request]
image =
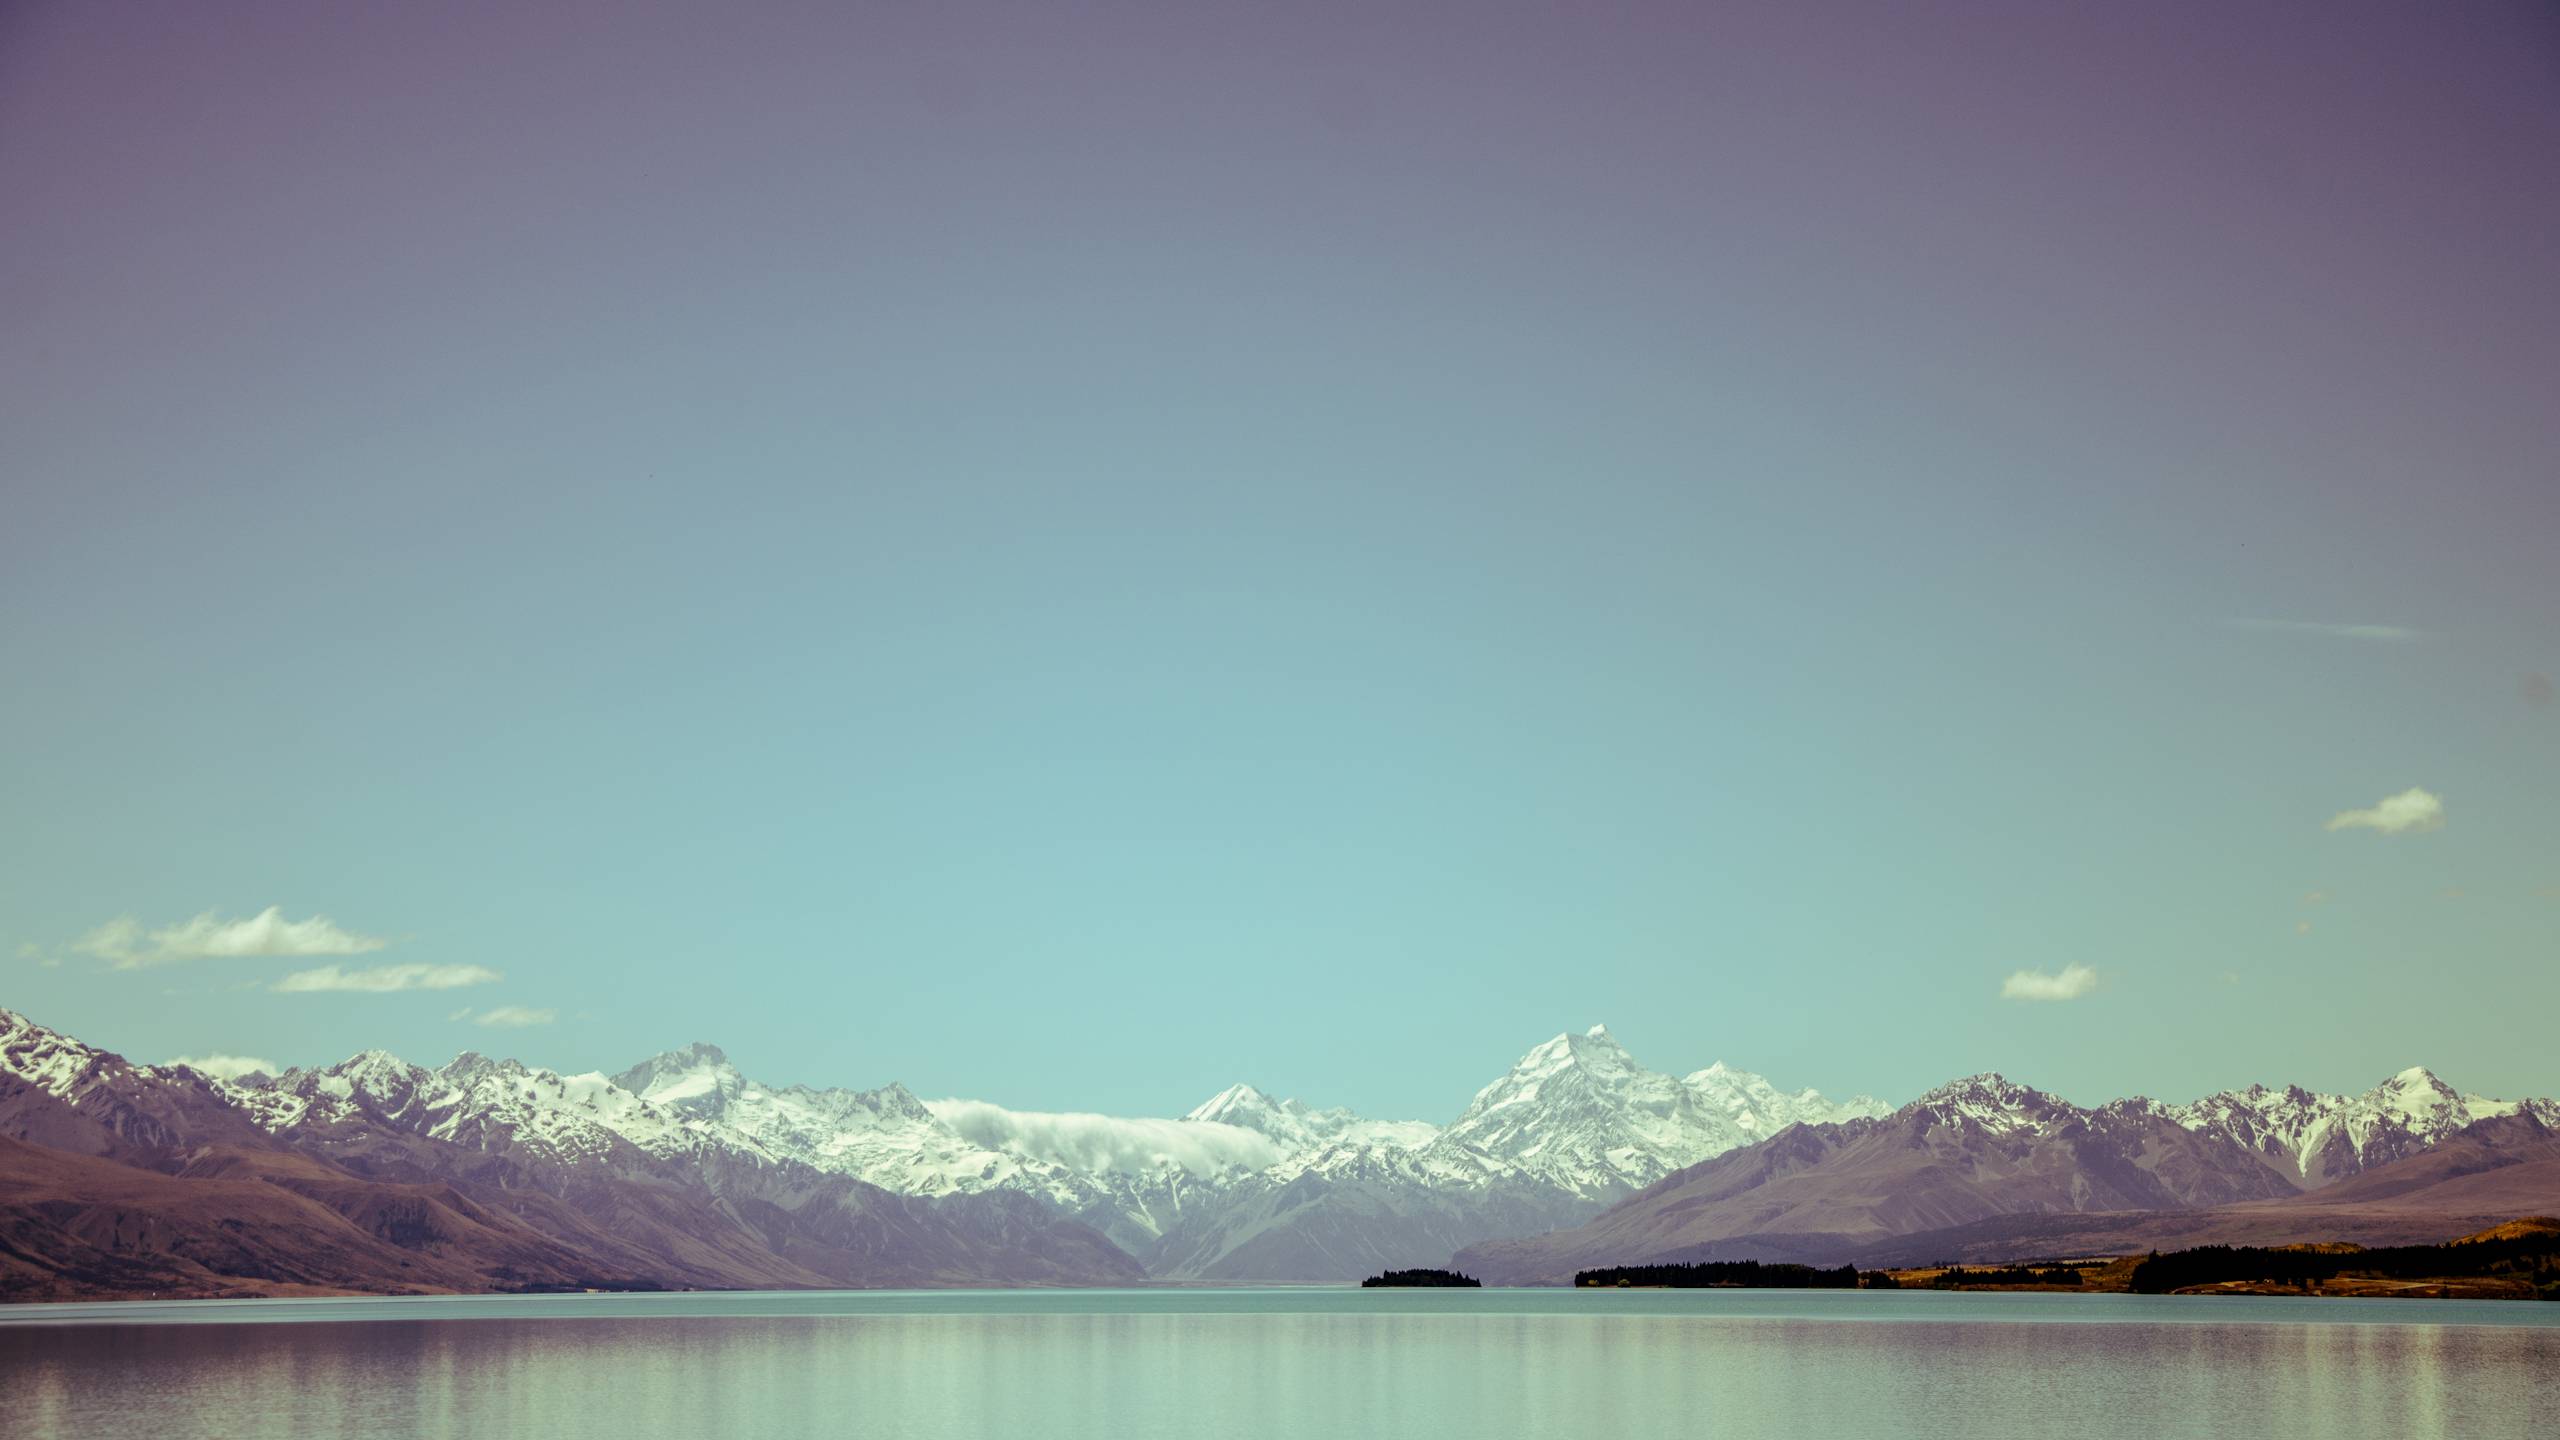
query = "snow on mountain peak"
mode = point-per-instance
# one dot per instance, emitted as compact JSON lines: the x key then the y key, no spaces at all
{"x":1236,"y":1105}
{"x":2317,"y":1138}
{"x":1581,"y":1110}
{"x":1989,"y":1101}
{"x":696,"y":1082}
{"x":1297,"y":1127}
{"x":47,"y":1059}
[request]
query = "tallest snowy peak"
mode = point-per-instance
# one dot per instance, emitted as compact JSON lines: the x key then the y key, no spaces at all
{"x":1592,"y":1047}
{"x":1583,"y":1111}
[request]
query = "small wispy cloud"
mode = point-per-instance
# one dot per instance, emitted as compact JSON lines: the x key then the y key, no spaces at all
{"x":2536,"y":690}
{"x":2385,"y":633}
{"x":2301,"y":927}
{"x":126,"y":945}
{"x":506,"y":1017}
{"x":2315,"y":897}
{"x":2413,"y":811}
{"x":227,"y":1067}
{"x":385,"y":978}
{"x":2071,"y":983}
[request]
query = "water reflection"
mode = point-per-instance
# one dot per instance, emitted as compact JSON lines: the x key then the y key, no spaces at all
{"x":1283,"y":1375}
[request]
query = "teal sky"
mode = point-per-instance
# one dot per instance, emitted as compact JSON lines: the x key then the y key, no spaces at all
{"x":1078,"y":558}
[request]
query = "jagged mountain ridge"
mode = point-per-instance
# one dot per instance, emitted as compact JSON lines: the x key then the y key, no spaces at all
{"x":483,"y":1175}
{"x":2324,"y":1138}
{"x":1986,"y":1147}
{"x":1575,"y":1126}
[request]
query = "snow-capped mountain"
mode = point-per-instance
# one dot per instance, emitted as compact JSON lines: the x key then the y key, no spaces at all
{"x":1580,"y":1111}
{"x":1291,"y":1192}
{"x":57,"y":1092}
{"x":684,"y":1169}
{"x":1967,"y":1151}
{"x":1575,"y":1124}
{"x":1299,"y":1128}
{"x":1354,"y":1207}
{"x":884,"y":1136}
{"x":2318,"y":1138}
{"x":483,"y":1174}
{"x":888,"y":1137}
{"x":495,"y":1106}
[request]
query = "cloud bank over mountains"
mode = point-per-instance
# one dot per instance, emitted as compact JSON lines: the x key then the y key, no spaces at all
{"x":1119,"y":1144}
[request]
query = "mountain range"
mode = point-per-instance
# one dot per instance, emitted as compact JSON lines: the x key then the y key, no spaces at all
{"x":374,"y":1174}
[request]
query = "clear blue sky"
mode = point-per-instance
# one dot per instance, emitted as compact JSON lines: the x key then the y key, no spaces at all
{"x":1077,"y":558}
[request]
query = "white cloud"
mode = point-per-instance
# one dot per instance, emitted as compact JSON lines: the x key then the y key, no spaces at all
{"x":2411,"y":812}
{"x":2074,"y":982}
{"x":2387,"y":633}
{"x":123,"y":943}
{"x":507,"y":1017}
{"x":1109,"y":1142}
{"x":227,"y":1067}
{"x":385,"y":978}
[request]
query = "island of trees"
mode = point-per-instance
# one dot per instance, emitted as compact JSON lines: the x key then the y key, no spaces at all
{"x":1711,"y":1274}
{"x":1424,"y":1279}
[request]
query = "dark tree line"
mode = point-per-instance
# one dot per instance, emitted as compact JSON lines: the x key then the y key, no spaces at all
{"x":2534,"y":1256}
{"x":1956,"y":1277}
{"x":1424,"y":1279}
{"x":1747,"y":1274}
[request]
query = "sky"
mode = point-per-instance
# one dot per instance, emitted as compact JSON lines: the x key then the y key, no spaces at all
{"x":1078,"y":555}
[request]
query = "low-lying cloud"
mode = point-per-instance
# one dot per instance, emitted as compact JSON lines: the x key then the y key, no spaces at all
{"x":2073,"y":982}
{"x":126,"y":945}
{"x":227,"y":1067}
{"x":2411,"y":812}
{"x":384,"y":978}
{"x":1110,"y":1142}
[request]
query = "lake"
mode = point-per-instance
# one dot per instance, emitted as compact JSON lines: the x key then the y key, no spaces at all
{"x":1082,"y":1365}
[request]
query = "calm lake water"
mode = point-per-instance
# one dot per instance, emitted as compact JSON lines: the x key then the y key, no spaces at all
{"x":1081,"y":1365}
